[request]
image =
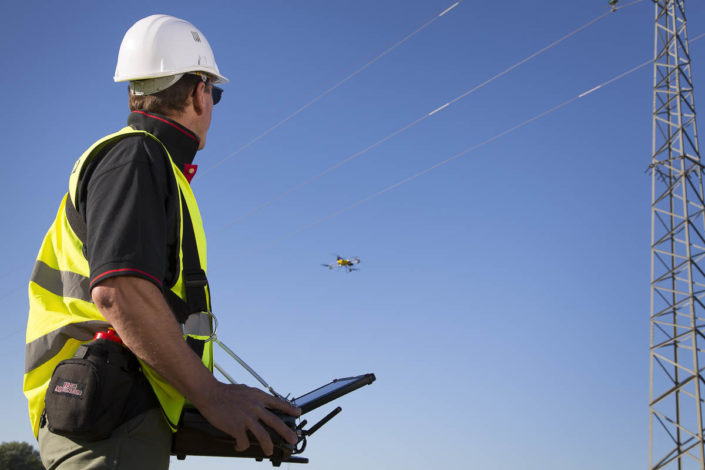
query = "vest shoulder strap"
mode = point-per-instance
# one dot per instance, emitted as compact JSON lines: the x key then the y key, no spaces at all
{"x":81,"y":164}
{"x":194,"y":278}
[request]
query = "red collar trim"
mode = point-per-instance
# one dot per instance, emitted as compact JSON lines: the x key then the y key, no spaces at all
{"x":183,"y":131}
{"x":189,"y":171}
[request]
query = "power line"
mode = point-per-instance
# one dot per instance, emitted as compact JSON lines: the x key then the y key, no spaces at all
{"x":454,"y":157}
{"x":536,"y":54}
{"x":417,"y":121}
{"x":334,"y":87}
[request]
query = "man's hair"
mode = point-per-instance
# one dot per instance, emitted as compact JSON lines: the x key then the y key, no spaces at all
{"x":169,"y":101}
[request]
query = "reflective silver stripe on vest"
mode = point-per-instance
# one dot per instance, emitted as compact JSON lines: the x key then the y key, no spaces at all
{"x":198,"y":324}
{"x":61,"y":283}
{"x":45,"y":347}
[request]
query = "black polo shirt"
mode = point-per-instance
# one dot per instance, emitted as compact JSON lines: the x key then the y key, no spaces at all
{"x":129,"y":200}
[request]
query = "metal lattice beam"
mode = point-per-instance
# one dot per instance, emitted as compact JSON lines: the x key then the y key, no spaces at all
{"x":677,"y":254}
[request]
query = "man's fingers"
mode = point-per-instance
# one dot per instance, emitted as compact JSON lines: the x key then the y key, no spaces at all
{"x":241,"y":441}
{"x":262,"y":436}
{"x":278,"y":426}
{"x":274,"y":403}
{"x":270,"y":401}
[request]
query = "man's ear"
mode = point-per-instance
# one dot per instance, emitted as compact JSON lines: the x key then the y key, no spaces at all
{"x":198,"y":98}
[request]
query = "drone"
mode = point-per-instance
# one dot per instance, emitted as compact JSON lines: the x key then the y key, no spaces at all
{"x":346,"y":263}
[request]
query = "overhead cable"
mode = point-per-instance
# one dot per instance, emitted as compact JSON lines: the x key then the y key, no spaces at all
{"x":417,"y":121}
{"x":331,"y":89}
{"x":453,"y":157}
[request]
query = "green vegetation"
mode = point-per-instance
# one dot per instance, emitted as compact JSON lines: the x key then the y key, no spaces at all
{"x":19,"y":456}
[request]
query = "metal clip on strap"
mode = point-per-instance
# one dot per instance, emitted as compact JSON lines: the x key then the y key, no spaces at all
{"x":195,"y":278}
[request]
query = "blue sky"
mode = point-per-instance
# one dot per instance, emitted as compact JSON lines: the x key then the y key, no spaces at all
{"x":502,"y":299}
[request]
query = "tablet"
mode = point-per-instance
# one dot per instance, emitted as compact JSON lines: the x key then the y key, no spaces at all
{"x":331,"y":391}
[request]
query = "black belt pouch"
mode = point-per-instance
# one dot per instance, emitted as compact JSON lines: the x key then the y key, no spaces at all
{"x":87,"y":395}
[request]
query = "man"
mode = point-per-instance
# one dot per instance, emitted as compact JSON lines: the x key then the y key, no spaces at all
{"x":127,"y":251}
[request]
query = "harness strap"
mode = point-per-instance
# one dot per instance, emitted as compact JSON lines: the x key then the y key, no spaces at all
{"x":194,"y":278}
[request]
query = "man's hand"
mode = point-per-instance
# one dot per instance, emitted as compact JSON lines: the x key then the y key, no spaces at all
{"x":237,"y":409}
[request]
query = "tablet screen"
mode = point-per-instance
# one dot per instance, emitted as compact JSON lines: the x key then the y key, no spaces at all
{"x":331,"y":391}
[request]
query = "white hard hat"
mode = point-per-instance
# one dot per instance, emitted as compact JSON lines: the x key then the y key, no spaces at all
{"x":157,"y":50}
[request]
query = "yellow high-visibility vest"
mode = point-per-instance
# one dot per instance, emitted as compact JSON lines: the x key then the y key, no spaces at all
{"x":62,"y":315}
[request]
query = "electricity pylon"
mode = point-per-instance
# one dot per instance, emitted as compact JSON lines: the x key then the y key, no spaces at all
{"x":677,"y":385}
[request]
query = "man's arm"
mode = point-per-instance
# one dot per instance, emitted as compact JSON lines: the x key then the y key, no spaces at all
{"x":139,"y":313}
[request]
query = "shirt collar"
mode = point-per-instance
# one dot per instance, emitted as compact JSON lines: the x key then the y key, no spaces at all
{"x":181,"y":143}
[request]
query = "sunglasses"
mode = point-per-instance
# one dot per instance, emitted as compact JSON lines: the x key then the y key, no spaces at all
{"x":217,"y":93}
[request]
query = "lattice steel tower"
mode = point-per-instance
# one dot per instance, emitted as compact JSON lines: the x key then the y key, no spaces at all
{"x":677,"y":385}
